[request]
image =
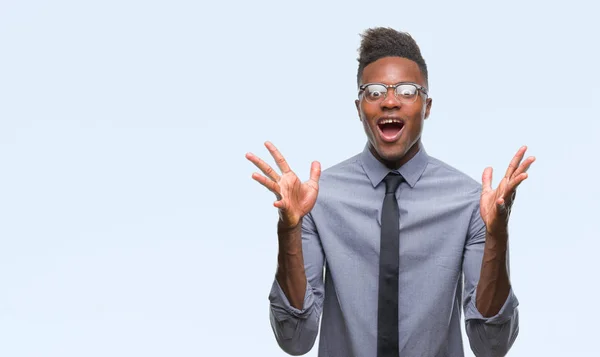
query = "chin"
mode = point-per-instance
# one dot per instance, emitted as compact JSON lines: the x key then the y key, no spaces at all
{"x":392,"y":153}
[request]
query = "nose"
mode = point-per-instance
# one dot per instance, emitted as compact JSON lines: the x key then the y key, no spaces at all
{"x":390,"y":101}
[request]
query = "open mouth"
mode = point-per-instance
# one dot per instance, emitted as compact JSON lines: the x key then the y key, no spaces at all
{"x":390,"y":128}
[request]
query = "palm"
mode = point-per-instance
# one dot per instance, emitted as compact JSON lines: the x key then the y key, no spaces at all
{"x":495,"y":204}
{"x":295,"y":199}
{"x":491,"y":209}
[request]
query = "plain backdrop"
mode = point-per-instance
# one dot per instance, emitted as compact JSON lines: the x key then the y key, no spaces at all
{"x":129,"y":222}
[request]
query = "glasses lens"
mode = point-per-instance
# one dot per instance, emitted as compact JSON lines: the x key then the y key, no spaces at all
{"x":375,"y":92}
{"x":407,"y":93}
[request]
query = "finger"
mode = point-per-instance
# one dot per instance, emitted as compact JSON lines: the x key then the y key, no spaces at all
{"x":511,"y":191}
{"x":279,"y":159}
{"x":486,"y":179}
{"x":269,"y":184}
{"x":515,"y":182}
{"x":524,"y":166}
{"x":315,"y":174}
{"x":514,"y":163}
{"x":263,"y":166}
{"x":280,"y":204}
{"x":501,"y":206}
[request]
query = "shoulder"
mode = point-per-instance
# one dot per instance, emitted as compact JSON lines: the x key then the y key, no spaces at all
{"x":342,"y":171}
{"x":455,"y":190}
{"x":342,"y":181}
{"x":442,"y":174}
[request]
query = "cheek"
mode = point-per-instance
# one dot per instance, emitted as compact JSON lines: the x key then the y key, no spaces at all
{"x":416,"y":123}
{"x":367,"y":125}
{"x":367,"y":114}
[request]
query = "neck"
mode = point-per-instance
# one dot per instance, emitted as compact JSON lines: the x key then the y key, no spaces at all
{"x":396,"y":164}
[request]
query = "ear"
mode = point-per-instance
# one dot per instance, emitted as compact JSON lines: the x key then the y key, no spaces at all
{"x":428,"y":107}
{"x":357,"y":103}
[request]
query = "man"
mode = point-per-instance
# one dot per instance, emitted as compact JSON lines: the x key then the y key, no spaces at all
{"x":379,"y":244}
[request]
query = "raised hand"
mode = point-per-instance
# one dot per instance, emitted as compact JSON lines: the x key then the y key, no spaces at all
{"x":295,"y":199}
{"x":495,"y":204}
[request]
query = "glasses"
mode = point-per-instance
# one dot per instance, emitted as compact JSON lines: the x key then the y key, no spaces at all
{"x":405,"y":92}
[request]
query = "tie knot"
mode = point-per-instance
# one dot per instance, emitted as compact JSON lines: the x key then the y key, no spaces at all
{"x":392,"y":181}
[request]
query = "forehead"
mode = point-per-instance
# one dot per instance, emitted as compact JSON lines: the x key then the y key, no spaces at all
{"x":391,"y":70}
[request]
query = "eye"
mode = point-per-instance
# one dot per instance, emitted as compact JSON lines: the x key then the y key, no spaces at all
{"x":406,"y":90}
{"x":375,"y":92}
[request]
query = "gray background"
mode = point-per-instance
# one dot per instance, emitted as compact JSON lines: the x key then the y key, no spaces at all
{"x":130,"y":226}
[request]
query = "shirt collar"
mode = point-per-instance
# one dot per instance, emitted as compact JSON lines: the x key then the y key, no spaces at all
{"x":411,"y":171}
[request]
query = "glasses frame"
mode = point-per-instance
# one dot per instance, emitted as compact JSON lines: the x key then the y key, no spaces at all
{"x":420,"y":88}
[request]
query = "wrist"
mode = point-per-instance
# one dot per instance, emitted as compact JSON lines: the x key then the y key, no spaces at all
{"x":290,"y":238}
{"x":284,"y":225}
{"x":496,"y":241}
{"x":497,"y":233}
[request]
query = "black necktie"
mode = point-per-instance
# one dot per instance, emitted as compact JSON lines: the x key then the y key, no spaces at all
{"x":389,"y":256}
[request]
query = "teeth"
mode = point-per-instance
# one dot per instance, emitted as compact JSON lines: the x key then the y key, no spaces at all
{"x":389,"y":121}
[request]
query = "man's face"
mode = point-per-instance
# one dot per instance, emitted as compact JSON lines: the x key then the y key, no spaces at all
{"x":393,"y":143}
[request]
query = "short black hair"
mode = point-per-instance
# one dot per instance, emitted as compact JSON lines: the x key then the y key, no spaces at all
{"x":382,"y":42}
